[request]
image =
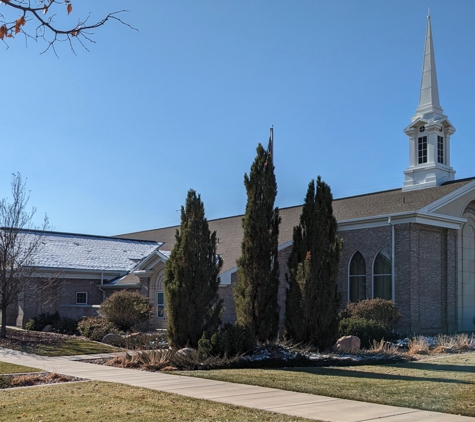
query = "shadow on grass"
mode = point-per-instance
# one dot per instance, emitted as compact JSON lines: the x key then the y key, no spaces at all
{"x":377,"y":376}
{"x":437,"y":367}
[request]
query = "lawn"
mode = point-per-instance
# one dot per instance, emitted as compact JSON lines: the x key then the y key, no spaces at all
{"x":50,"y":344}
{"x":444,"y":384}
{"x":99,"y":401}
{"x":10,"y":368}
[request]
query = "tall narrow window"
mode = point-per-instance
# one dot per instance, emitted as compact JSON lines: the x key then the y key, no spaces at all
{"x":160,"y":305}
{"x":422,"y":149}
{"x":382,"y":280}
{"x":357,"y":278}
{"x":440,"y":149}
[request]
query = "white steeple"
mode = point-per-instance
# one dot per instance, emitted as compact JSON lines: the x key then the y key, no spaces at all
{"x":430,"y":131}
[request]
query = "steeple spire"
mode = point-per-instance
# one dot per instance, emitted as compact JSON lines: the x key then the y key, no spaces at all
{"x":430,"y":131}
{"x":429,"y":95}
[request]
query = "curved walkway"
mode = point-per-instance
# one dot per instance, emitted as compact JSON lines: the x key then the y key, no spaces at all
{"x":270,"y":399}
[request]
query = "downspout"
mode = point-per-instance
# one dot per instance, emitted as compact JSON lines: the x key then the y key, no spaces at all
{"x":393,"y":263}
{"x":102,"y":290}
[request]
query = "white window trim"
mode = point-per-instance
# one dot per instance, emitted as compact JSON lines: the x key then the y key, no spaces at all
{"x":161,"y":304}
{"x":81,"y":293}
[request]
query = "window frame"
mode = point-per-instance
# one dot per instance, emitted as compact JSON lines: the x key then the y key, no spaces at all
{"x":86,"y":298}
{"x":357,"y":278}
{"x":383,"y":277}
{"x":440,"y":149}
{"x":161,"y":305}
{"x":422,"y":149}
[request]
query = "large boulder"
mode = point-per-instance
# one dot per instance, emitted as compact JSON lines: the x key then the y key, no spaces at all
{"x":187,"y":352}
{"x":48,"y":329}
{"x":348,"y":344}
{"x":112,"y":339}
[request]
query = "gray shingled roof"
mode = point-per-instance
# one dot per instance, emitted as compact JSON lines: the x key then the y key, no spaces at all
{"x":229,"y":230}
{"x":84,"y":252}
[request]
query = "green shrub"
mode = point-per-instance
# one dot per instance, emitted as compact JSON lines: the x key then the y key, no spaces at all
{"x":366,"y":329}
{"x":126,"y":309}
{"x":95,"y":328}
{"x":381,"y":310}
{"x":42,"y":320}
{"x":30,"y":325}
{"x":67,"y":325}
{"x":229,"y":340}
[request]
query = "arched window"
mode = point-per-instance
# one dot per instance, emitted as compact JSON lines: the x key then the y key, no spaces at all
{"x":157,"y":294}
{"x":382,"y":280}
{"x":357,"y":278}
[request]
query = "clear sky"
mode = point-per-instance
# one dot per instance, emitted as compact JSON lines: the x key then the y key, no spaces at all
{"x":112,"y":139}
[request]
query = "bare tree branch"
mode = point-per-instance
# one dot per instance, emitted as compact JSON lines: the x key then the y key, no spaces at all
{"x":18,"y":246}
{"x":18,"y":16}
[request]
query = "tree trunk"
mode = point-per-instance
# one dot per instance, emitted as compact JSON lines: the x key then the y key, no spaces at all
{"x":3,"y":331}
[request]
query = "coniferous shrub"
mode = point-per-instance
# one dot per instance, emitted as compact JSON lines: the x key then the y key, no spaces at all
{"x":256,"y":290}
{"x":366,"y":329}
{"x":230,"y":340}
{"x":381,"y":310}
{"x":191,"y":278}
{"x":95,"y":328}
{"x":312,"y":300}
{"x":126,"y":309}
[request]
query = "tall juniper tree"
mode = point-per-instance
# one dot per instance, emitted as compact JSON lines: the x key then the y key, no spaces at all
{"x":191,"y":278}
{"x":256,"y":291}
{"x":312,"y":297}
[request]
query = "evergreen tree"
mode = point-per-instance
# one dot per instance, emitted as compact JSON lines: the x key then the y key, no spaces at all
{"x":313,"y":300}
{"x":191,"y":278}
{"x":256,"y":291}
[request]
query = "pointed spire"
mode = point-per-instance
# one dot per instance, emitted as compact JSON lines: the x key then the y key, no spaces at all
{"x":270,"y":147}
{"x":429,"y":96}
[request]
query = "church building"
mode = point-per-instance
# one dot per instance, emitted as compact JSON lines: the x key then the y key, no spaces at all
{"x":414,"y":245}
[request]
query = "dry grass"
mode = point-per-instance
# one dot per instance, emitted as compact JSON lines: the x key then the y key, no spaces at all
{"x":443,"y":384}
{"x":167,"y":360}
{"x":443,"y":343}
{"x":106,"y":402}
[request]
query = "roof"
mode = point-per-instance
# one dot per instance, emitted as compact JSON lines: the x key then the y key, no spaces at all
{"x":229,"y":230}
{"x":86,"y":252}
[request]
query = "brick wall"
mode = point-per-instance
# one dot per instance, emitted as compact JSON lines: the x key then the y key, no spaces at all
{"x":425,"y":273}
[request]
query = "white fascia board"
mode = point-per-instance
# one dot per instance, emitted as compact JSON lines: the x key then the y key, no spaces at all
{"x":77,"y":274}
{"x":285,"y":245}
{"x":153,"y":259}
{"x":142,"y":273}
{"x":449,"y":198}
{"x":438,"y":220}
{"x":413,"y":123}
{"x":120,"y":286}
{"x":225,"y":277}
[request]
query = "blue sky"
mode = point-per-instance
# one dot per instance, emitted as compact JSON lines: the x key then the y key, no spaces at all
{"x":112,"y":139}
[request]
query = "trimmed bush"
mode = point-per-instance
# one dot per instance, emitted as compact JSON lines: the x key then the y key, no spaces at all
{"x":366,"y":329}
{"x":67,"y":325}
{"x":381,"y":310}
{"x":230,"y":340}
{"x":95,"y":328}
{"x":126,"y":309}
{"x":42,"y":320}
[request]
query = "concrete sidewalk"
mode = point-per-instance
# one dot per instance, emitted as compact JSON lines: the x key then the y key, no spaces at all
{"x":270,"y":399}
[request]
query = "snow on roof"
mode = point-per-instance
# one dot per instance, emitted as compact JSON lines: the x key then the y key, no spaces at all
{"x":86,"y":252}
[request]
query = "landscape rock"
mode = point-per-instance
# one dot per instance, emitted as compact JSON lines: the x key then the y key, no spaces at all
{"x":48,"y":329}
{"x":186,"y":351}
{"x":112,"y":339}
{"x":347,"y":344}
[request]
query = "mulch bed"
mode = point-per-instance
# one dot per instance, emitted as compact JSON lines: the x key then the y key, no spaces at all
{"x":33,"y":379}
